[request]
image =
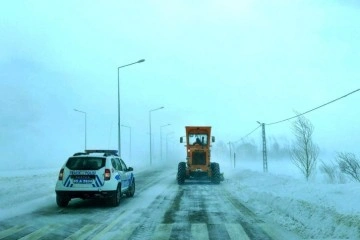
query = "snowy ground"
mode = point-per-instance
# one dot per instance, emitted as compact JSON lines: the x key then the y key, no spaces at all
{"x":314,"y":209}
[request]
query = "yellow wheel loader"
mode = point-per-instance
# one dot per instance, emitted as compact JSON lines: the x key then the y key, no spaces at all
{"x":198,"y":141}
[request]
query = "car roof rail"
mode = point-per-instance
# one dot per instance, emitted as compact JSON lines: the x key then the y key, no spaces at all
{"x":106,"y":152}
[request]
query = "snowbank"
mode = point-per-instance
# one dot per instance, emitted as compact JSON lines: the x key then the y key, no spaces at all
{"x":311,"y":209}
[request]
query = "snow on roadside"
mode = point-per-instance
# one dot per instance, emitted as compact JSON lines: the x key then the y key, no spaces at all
{"x":23,"y":191}
{"x":312,"y":210}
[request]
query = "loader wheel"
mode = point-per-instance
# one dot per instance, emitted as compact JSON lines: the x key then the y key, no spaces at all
{"x":215,"y":173}
{"x":181,"y":174}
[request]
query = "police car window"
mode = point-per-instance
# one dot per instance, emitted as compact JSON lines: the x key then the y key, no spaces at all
{"x":116,"y":164}
{"x":85,"y":163}
{"x":123,"y":165}
{"x":119,"y":164}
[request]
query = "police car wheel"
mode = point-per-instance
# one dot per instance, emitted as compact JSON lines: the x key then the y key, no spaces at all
{"x":131,"y":190}
{"x":62,"y":201}
{"x":115,"y":199}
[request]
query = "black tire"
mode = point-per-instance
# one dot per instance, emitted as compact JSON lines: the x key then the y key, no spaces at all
{"x":131,"y":190}
{"x":115,"y":199}
{"x":181,"y":174}
{"x":62,"y":201}
{"x":215,"y":173}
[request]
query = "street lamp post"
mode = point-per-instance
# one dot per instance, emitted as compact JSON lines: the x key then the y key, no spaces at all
{"x":150,"y":129}
{"x":161,"y":139}
{"x":85,"y":122}
{"x":130,"y":140}
{"x":119,"y":133}
{"x":167,"y":135}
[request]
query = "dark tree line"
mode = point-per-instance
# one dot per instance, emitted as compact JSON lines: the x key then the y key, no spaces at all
{"x":249,"y":150}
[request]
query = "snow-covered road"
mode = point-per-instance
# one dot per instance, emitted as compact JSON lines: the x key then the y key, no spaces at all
{"x":247,"y":205}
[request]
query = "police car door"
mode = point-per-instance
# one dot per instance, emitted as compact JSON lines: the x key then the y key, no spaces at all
{"x":125,"y":175}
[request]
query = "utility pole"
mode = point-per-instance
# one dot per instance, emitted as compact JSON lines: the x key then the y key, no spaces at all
{"x":265,"y":165}
{"x":234,"y":159}
{"x":230,"y":150}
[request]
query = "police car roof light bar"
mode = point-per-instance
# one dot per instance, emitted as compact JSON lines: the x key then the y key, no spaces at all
{"x":108,"y":152}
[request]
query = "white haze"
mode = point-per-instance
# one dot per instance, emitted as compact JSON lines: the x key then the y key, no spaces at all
{"x":226,"y":64}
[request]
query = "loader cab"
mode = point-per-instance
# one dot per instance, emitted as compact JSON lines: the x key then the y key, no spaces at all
{"x":197,"y":138}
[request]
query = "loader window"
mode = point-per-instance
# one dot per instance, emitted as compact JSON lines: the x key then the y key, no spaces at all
{"x":198,"y":138}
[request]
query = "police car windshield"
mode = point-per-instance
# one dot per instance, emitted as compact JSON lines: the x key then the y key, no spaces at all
{"x":85,"y":163}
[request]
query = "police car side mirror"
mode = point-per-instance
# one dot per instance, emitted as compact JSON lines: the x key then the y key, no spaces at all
{"x":129,"y":169}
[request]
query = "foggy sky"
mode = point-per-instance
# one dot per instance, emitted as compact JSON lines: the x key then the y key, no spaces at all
{"x":220,"y":63}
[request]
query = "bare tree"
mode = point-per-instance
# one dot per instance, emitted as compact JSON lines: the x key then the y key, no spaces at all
{"x":304,"y":151}
{"x":333,"y":172}
{"x":329,"y":169}
{"x":349,"y":164}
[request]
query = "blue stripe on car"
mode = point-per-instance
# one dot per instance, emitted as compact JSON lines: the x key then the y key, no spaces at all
{"x":67,"y":181}
{"x":98,"y":181}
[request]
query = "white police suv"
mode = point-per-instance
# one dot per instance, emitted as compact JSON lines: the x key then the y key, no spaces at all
{"x":94,"y":174}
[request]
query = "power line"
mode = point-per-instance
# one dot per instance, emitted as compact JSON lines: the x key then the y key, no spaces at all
{"x":314,"y":108}
{"x":263,"y":127}
{"x":246,"y":135}
{"x":299,"y":114}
